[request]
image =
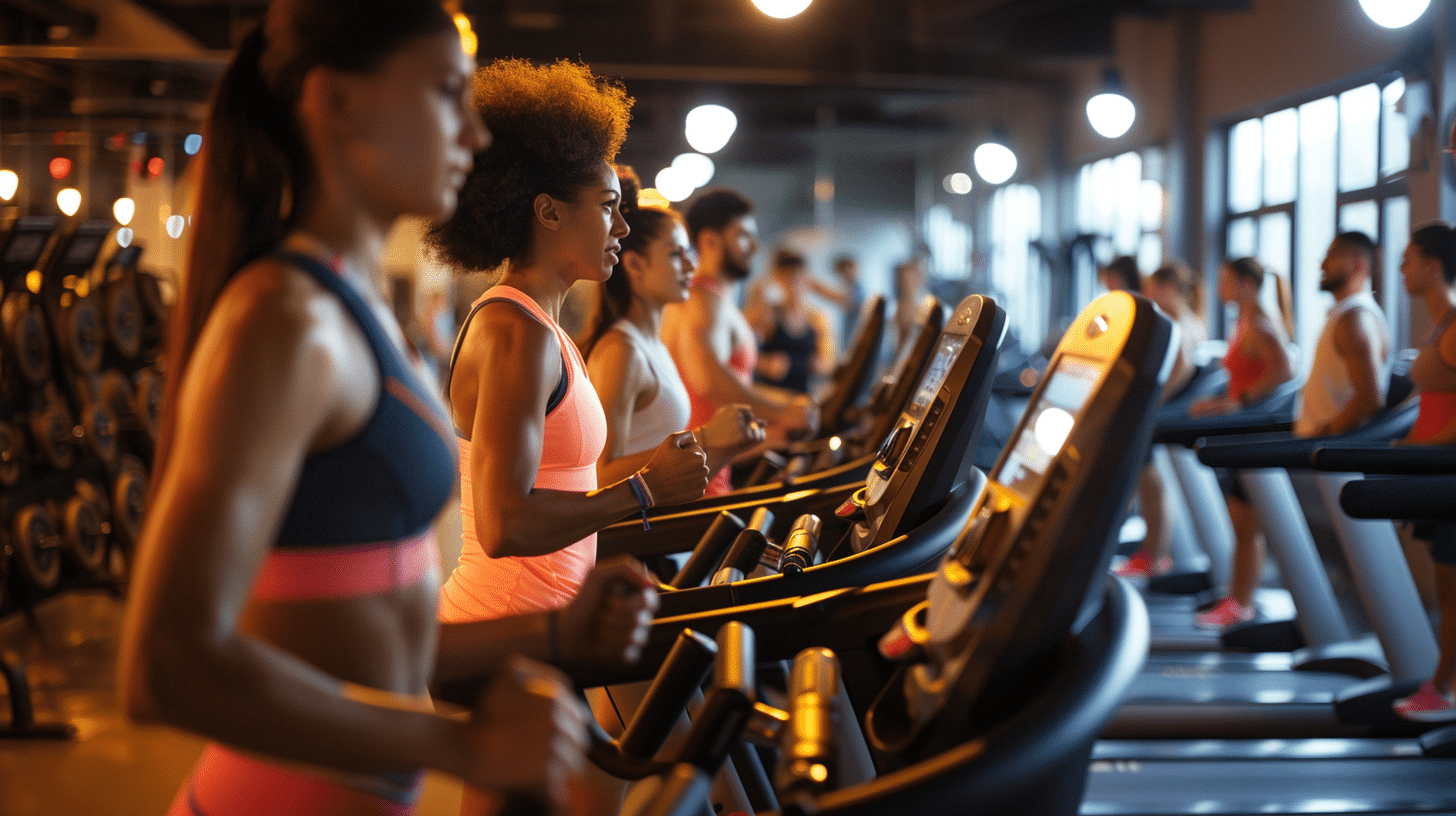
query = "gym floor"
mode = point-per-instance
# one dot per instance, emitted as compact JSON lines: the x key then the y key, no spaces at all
{"x":111,"y":767}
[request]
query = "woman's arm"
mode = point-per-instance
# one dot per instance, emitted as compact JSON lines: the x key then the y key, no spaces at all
{"x":275,"y":375}
{"x":622,"y":378}
{"x":513,"y":365}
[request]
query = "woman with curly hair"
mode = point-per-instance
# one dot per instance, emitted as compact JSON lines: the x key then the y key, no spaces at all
{"x":634,"y":374}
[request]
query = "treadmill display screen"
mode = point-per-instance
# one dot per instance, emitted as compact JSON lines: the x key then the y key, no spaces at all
{"x":1048,"y":425}
{"x":83,"y":249}
{"x":945,"y":356}
{"x":25,"y":247}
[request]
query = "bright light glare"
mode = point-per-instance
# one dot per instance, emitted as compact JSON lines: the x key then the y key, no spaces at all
{"x":123,"y":236}
{"x":1111,"y":114}
{"x":958,"y":183}
{"x":696,"y":168}
{"x":123,"y":209}
{"x":1394,"y":13}
{"x":994,"y":162}
{"x":1051,"y":429}
{"x":672,"y":185}
{"x":192,"y":144}
{"x":69,"y":200}
{"x":175,"y":224}
{"x":652,"y":197}
{"x":9,"y":183}
{"x":782,"y":9}
{"x":709,"y":127}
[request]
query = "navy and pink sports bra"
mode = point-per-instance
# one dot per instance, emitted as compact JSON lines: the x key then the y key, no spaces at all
{"x":390,"y":481}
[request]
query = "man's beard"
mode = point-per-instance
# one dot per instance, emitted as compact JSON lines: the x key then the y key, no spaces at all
{"x":1331,"y":284}
{"x":734,"y":269}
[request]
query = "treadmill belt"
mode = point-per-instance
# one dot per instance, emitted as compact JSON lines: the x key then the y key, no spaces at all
{"x":1386,"y":786}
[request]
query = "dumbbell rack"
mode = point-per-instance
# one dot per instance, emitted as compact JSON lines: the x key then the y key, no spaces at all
{"x":80,"y":391}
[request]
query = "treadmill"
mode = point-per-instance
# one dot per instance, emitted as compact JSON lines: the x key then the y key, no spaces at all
{"x":1257,"y":695}
{"x":1385,"y":775}
{"x":987,"y":682}
{"x":921,"y":486}
{"x":964,"y":362}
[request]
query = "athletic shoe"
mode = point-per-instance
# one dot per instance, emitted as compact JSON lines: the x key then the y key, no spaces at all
{"x":1140,"y":565}
{"x":1227,"y":613}
{"x":1426,"y":705}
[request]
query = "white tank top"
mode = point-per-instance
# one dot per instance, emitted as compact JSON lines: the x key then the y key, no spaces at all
{"x":1328,"y":389}
{"x":669,"y":411}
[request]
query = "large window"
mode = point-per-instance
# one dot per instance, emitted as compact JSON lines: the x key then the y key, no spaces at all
{"x":1301,"y":174}
{"x":1120,"y":202}
{"x":1019,"y":279}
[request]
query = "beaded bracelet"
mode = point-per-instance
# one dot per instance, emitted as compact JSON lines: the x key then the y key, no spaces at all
{"x":644,"y":495}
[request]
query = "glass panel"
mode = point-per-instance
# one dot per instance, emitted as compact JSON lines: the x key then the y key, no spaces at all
{"x":1275,"y":244}
{"x":1016,"y":270}
{"x":1150,"y":195}
{"x":1363,"y":216}
{"x":1318,"y":125}
{"x":1390,"y":287}
{"x":1086,"y":200}
{"x":1128,"y":170}
{"x":1394,"y":139}
{"x":1150,"y":252}
{"x":1281,"y":154}
{"x":1243,"y":237}
{"x":1103,"y":198}
{"x":1359,"y":117}
{"x":1246,"y":143}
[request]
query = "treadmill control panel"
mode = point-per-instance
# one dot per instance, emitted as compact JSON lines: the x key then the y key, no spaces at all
{"x":925,"y":451}
{"x":1033,"y":552}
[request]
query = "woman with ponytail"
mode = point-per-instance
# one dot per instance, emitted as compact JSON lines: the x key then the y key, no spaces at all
{"x":283,"y":596}
{"x":1258,"y":361}
{"x":634,"y":375}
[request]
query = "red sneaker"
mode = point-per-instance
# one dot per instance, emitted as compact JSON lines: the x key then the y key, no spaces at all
{"x":1426,"y":705}
{"x":1137,"y":565}
{"x":1227,"y":613}
{"x":1140,"y":565}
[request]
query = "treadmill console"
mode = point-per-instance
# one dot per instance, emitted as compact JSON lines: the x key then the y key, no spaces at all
{"x":930,"y":448}
{"x":1027,"y":568}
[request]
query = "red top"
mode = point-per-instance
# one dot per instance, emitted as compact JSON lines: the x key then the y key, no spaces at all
{"x":1243,"y":369}
{"x":741,"y":361}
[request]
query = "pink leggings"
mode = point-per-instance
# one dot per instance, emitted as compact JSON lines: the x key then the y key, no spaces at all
{"x":226,"y":783}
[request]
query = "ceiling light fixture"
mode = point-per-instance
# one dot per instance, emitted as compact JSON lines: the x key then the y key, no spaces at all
{"x":1394,"y":13}
{"x":673,"y":184}
{"x":709,"y":127}
{"x":696,"y":168}
{"x":995,"y":162}
{"x":781,"y":9}
{"x":1110,"y":111}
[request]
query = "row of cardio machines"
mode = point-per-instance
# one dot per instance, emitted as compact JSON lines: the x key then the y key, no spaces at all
{"x":1291,"y":712}
{"x":952,"y":638}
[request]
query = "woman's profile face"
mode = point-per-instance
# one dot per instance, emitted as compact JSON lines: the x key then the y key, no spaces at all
{"x":591,"y":227}
{"x":667,"y":267}
{"x":414,"y":132}
{"x":1416,"y":269}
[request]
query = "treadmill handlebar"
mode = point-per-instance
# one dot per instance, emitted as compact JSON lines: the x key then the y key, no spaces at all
{"x":710,"y":550}
{"x":1404,"y":460}
{"x":801,"y":545}
{"x":1423,"y":497}
{"x":744,"y":555}
{"x":1257,"y":451}
{"x":682,"y":674}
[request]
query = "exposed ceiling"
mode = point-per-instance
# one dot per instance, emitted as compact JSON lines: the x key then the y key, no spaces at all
{"x":900,"y":67}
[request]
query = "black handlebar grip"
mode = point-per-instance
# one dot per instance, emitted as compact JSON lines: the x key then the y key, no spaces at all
{"x":761,"y":520}
{"x":729,"y":703}
{"x":747,"y":548}
{"x":801,"y":545}
{"x":717,"y":539}
{"x":682,"y":674}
